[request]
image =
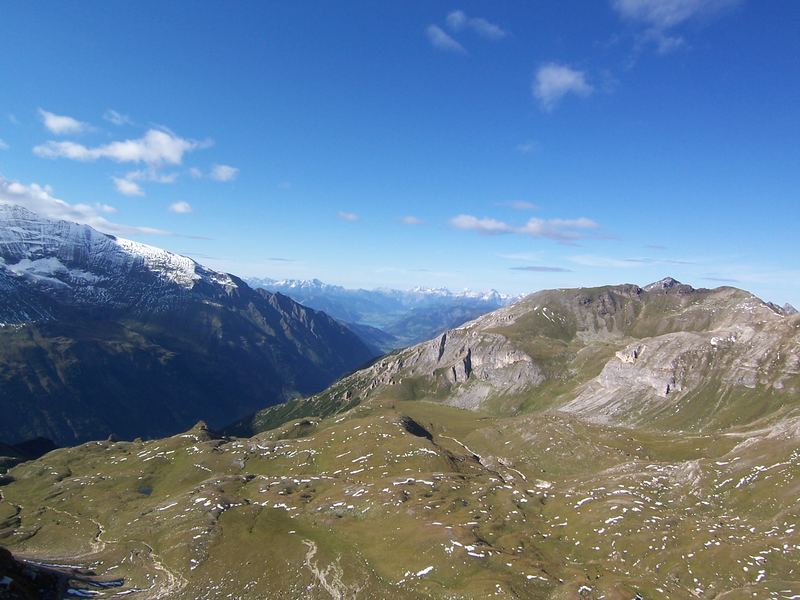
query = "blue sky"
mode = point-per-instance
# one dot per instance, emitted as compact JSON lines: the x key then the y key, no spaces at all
{"x":514,"y":146}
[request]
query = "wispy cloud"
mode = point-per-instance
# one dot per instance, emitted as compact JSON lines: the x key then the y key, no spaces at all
{"x":553,"y":81}
{"x":562,"y":230}
{"x":660,"y":17}
{"x":152,"y":174}
{"x":528,"y":146}
{"x":592,"y":260}
{"x":157,"y":147}
{"x":116,"y":118}
{"x":441,"y":40}
{"x":129,"y":186}
{"x":721,"y":279}
{"x":541,"y":269}
{"x":522,"y":256}
{"x":410,"y":220}
{"x":485,"y":225}
{"x":348,"y":216}
{"x":126,"y":187}
{"x":519,"y":205}
{"x":458,"y":21}
{"x":223,"y":173}
{"x":181,"y":208}
{"x":3,"y":145}
{"x":664,"y":14}
{"x":61,"y":124}
{"x":40,"y":199}
{"x":659,"y":261}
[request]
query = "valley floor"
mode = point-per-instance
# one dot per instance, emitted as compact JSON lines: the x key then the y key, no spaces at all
{"x":419,"y":500}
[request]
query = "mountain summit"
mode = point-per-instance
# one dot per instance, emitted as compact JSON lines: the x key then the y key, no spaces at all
{"x":664,"y":356}
{"x":389,"y":318}
{"x":100,"y":335}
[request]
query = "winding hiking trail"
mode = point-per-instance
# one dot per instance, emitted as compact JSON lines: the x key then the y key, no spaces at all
{"x":174,"y":583}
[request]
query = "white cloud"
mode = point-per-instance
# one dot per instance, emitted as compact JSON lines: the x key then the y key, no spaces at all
{"x":61,"y":124}
{"x":663,"y":14}
{"x":181,"y":208}
{"x":458,"y":20}
{"x":440,"y":39}
{"x":127,"y":187}
{"x":660,"y":16}
{"x":3,"y":145}
{"x":348,"y":216}
{"x":559,"y":229}
{"x":40,"y":199}
{"x":195,"y":173}
{"x":116,"y":118}
{"x":562,"y":230}
{"x":223,"y":173}
{"x":485,"y":225}
{"x":157,"y":147}
{"x":411,"y":220}
{"x":553,"y":81}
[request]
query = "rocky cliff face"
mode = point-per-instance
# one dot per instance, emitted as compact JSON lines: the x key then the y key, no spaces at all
{"x":665,"y":356}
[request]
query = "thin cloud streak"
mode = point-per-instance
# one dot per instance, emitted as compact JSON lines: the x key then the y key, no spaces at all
{"x":561,"y":230}
{"x":350,"y":217}
{"x":441,"y":40}
{"x":541,"y":269}
{"x":458,"y":21}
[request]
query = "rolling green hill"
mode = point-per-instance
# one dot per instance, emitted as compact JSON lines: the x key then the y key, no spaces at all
{"x":532,"y":453}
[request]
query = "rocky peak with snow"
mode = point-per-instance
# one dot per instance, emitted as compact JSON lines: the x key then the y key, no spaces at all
{"x":100,"y":335}
{"x":79,"y":265}
{"x":663,"y":284}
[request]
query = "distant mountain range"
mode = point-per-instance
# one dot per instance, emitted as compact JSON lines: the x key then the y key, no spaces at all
{"x":664,"y":356}
{"x":615,"y":442}
{"x":389,"y":318}
{"x":101,"y":335}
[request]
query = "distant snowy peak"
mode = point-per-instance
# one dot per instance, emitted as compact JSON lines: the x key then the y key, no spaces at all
{"x":36,"y":247}
{"x":315,"y":285}
{"x":307,"y":285}
{"x":48,"y":265}
{"x":490,"y":296}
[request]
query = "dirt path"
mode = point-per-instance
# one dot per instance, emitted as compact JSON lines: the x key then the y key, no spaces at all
{"x":329,"y":578}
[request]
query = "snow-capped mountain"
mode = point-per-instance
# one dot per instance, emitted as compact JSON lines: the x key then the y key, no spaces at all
{"x":104,"y":335}
{"x":81,"y":266}
{"x":389,"y":318}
